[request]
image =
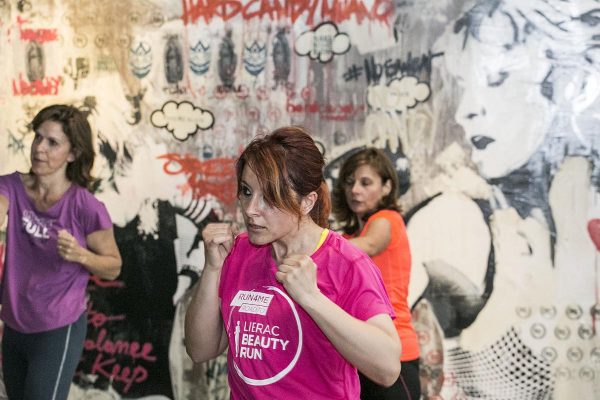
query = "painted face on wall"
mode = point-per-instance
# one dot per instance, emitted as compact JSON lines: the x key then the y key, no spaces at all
{"x":364,"y":190}
{"x":265,"y":224}
{"x":502,"y":110}
{"x":50,"y":150}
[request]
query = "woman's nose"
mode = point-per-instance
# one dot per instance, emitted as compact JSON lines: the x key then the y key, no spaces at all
{"x":252,"y":206}
{"x":469,"y":111}
{"x":40,"y":145}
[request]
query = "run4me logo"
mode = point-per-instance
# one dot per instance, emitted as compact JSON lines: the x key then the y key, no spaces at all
{"x":266,"y":346}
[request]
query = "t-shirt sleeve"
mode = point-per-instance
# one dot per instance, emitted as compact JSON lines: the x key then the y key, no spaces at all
{"x":93,"y":214}
{"x":5,"y":185}
{"x":364,"y":293}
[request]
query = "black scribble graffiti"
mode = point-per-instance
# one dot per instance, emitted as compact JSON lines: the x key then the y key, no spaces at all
{"x":77,"y":69}
{"x":136,"y":102}
{"x":88,"y":106}
{"x":353,"y":73}
{"x":195,"y":211}
{"x":281,"y":59}
{"x":173,"y":61}
{"x":391,"y":68}
{"x":16,"y":145}
{"x":35,"y":62}
{"x":400,"y":25}
{"x":227,"y":61}
{"x":23,"y":6}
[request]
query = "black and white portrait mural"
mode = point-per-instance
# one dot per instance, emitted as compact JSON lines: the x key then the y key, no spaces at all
{"x":489,"y":109}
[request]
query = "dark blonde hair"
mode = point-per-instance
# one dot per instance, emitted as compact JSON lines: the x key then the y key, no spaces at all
{"x":288,"y":165}
{"x":383,"y":167}
{"x":77,"y":129}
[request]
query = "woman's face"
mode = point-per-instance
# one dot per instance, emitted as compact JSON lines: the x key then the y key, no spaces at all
{"x":265,"y":224}
{"x":503,"y":113}
{"x":50,"y":150}
{"x":364,"y":190}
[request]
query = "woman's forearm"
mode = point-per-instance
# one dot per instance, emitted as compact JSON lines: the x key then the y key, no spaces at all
{"x":205,"y":336}
{"x":373,"y":347}
{"x":103,"y":266}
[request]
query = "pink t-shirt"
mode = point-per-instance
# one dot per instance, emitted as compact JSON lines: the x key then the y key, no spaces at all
{"x":276,"y":350}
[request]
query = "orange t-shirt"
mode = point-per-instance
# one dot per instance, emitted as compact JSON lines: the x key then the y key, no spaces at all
{"x":394,"y":264}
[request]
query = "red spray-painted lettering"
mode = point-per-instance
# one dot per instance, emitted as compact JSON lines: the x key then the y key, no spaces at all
{"x":315,"y":10}
{"x":38,"y":35}
{"x":45,"y":87}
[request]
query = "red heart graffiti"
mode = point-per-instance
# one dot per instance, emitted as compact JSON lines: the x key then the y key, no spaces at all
{"x":594,"y":231}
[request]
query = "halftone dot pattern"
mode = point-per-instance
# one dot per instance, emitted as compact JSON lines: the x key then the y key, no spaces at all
{"x":508,"y":369}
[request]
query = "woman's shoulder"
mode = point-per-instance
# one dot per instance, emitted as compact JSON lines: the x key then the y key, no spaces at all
{"x":9,"y":182}
{"x":13,"y":177}
{"x":390,"y":215}
{"x":343,"y":249}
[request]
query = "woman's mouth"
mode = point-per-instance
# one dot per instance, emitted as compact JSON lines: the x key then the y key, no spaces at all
{"x":254,"y":227}
{"x":480,"y":142}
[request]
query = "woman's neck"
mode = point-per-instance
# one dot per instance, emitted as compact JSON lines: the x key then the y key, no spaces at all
{"x":46,"y":190}
{"x":303,"y":240}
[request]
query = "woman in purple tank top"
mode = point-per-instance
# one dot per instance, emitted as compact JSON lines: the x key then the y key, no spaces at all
{"x":57,"y":234}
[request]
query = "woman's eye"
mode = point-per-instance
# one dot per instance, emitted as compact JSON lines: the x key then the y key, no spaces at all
{"x":245,"y":192}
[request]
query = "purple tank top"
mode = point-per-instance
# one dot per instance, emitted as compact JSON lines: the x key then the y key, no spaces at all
{"x":40,"y":291}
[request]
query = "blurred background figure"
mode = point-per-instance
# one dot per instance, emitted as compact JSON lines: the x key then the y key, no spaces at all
{"x":365,"y":204}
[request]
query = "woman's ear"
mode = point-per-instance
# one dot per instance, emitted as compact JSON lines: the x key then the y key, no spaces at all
{"x":308,"y":202}
{"x":387,"y":187}
{"x":73,"y":155}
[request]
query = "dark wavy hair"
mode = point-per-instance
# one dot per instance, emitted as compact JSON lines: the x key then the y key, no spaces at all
{"x":377,"y":159}
{"x":77,"y":129}
{"x":288,"y":166}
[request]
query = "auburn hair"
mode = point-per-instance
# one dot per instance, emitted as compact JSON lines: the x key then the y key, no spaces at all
{"x":288,"y":166}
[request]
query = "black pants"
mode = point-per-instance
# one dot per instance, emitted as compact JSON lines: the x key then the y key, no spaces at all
{"x":40,"y":366}
{"x":407,"y":387}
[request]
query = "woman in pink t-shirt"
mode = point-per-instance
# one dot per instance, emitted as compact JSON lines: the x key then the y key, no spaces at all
{"x":298,"y":306}
{"x":365,"y":203}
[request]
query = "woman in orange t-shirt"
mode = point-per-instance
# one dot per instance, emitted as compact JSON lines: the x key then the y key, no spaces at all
{"x":364,"y":202}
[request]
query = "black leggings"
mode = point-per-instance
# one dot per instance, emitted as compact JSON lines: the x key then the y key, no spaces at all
{"x":40,"y":366}
{"x":407,"y":387}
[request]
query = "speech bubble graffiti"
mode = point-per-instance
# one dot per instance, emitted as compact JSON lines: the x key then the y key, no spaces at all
{"x":322,"y":43}
{"x":399,"y":95}
{"x":182,"y":119}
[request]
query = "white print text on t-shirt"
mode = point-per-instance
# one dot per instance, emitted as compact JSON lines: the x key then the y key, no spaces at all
{"x":36,"y":226}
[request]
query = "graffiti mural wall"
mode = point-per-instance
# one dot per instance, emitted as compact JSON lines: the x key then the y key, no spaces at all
{"x":490,"y":110}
